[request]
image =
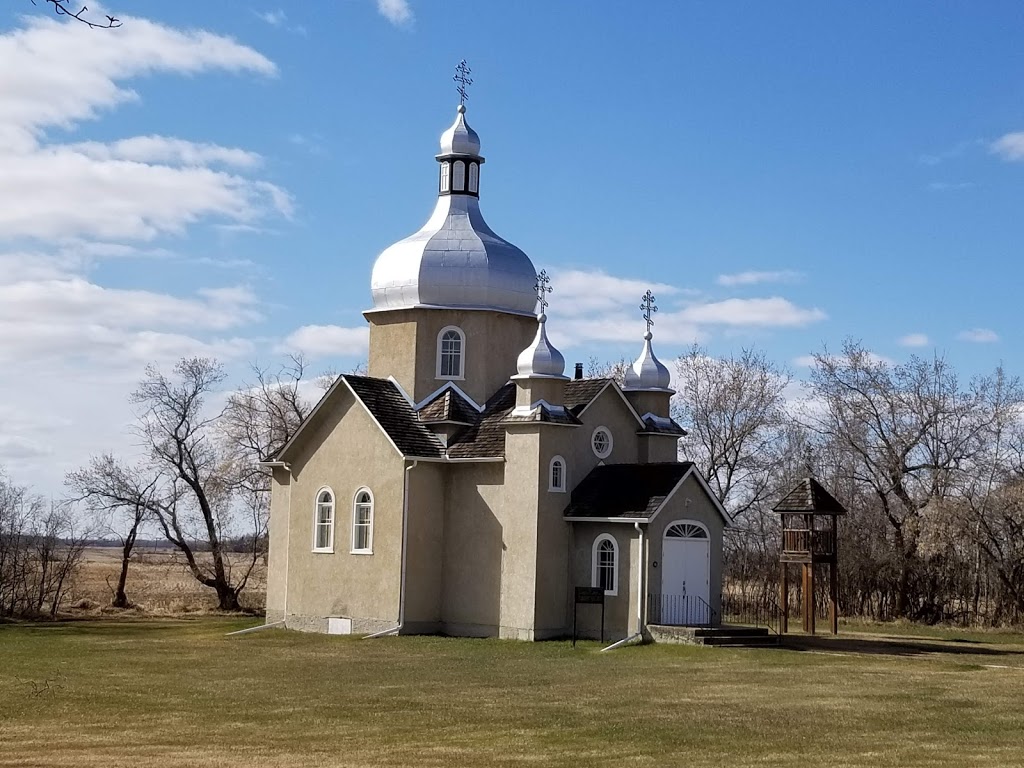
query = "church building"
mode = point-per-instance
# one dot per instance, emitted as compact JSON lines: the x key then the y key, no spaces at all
{"x":466,"y":485}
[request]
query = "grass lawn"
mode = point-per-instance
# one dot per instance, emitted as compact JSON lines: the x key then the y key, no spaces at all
{"x":165,"y":693}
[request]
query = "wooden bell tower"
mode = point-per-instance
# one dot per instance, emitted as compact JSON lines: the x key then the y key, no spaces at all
{"x":810,"y":524}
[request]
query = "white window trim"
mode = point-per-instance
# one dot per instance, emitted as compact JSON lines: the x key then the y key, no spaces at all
{"x":462,"y":356}
{"x":694,"y":523}
{"x":595,"y":580}
{"x":611,"y":442}
{"x":329,"y":549}
{"x":552,"y":488}
{"x":369,"y":549}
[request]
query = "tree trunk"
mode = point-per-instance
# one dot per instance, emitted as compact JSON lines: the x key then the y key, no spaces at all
{"x":120,"y":598}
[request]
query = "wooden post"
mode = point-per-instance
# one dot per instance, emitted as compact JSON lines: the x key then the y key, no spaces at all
{"x":784,"y":598}
{"x":833,"y":596}
{"x":808,"y":606}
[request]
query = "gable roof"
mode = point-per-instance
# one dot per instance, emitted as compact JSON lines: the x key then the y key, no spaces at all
{"x":581,"y":393}
{"x":625,"y":490}
{"x":448,"y":406}
{"x":633,"y":492}
{"x":809,"y":498}
{"x":485,"y":438}
{"x":388,"y":408}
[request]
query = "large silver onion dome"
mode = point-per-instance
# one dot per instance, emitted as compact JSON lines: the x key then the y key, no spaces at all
{"x":455,"y":260}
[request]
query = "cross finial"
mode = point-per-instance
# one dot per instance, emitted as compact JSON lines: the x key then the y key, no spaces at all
{"x":649,"y":308}
{"x":543,"y":289}
{"x":462,"y":77}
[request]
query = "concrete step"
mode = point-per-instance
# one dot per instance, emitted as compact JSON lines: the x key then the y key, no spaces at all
{"x":724,"y":636}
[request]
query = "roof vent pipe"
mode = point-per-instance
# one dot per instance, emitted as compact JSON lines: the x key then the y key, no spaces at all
{"x":579,"y":372}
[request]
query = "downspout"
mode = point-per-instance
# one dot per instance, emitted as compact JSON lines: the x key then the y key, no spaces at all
{"x":405,"y":542}
{"x":639,"y":596}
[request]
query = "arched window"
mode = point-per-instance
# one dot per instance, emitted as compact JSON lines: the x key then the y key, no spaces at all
{"x":606,"y":564}
{"x":323,"y":522}
{"x":686,"y":530}
{"x":556,"y":476}
{"x":446,"y":171}
{"x":362,"y":522}
{"x":474,"y":176}
{"x":451,"y":345}
{"x":459,"y":176}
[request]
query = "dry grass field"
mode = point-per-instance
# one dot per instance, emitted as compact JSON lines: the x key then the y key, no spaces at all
{"x":150,"y":693}
{"x":158,"y":585}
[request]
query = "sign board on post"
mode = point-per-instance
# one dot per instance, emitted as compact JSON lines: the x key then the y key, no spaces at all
{"x":587,"y":596}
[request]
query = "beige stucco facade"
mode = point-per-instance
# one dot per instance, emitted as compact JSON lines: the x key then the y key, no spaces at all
{"x":479,"y":546}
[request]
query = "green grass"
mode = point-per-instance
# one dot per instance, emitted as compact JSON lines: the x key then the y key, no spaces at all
{"x":165,"y":693}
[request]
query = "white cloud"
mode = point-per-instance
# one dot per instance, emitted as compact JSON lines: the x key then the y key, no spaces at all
{"x":978,"y":335}
{"x":1009,"y":146}
{"x":278,"y":18}
{"x":914,"y":340}
{"x":72,"y":348}
{"x":274,"y":18}
{"x":950,"y":186}
{"x":169,"y":151}
{"x":397,"y":12}
{"x":582,"y":292}
{"x":317,"y":341}
{"x":137,"y":187}
{"x":755,"y":278}
{"x":773,"y":312}
{"x":807,"y":361}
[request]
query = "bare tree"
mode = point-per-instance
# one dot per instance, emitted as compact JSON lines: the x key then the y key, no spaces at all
{"x":122,"y":497}
{"x":61,"y":8}
{"x":734,"y":410}
{"x":906,"y":430}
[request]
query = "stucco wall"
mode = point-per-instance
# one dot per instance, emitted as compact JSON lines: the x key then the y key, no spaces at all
{"x":473,"y":550}
{"x":620,"y":609}
{"x":403,"y":344}
{"x":425,"y":542}
{"x":277,"y":546}
{"x":690,"y":502}
{"x":345,"y":451}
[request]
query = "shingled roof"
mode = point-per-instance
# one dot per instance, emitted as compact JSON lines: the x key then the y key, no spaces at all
{"x":449,"y":406}
{"x":579,"y":393}
{"x":809,"y":498}
{"x":485,"y":438}
{"x":625,"y":490}
{"x":395,"y":415}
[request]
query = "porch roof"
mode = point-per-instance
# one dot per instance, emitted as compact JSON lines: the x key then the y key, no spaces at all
{"x":633,"y":491}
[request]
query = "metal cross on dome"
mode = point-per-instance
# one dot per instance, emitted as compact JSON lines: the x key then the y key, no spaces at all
{"x":462,"y":77}
{"x":543,"y":289}
{"x":649,"y":308}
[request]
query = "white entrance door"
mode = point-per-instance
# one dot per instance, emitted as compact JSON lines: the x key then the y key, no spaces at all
{"x":686,"y":575}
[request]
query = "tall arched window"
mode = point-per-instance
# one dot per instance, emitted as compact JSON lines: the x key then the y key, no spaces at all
{"x":451,"y":348}
{"x":446,"y":172}
{"x":474,"y":177}
{"x":362,"y":522}
{"x":605,"y":572}
{"x":323,"y":522}
{"x":459,"y":176}
{"x":556,"y":475}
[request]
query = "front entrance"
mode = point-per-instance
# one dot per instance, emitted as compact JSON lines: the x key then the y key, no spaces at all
{"x":685,"y":575}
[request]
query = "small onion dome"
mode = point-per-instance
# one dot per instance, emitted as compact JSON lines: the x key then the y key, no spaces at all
{"x":648,"y":372}
{"x":541,"y":359}
{"x":460,"y":139}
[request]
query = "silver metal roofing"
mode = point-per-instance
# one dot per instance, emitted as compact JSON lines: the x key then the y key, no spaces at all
{"x":455,"y":260}
{"x":540,"y":359}
{"x":647,"y":372}
{"x":460,"y":139}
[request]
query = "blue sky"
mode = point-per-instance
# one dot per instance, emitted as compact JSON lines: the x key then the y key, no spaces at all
{"x":217,"y":178}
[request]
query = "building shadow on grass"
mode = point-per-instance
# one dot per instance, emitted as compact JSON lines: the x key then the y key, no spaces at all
{"x":896,"y":646}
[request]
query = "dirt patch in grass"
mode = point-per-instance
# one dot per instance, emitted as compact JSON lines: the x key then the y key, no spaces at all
{"x":169,"y":693}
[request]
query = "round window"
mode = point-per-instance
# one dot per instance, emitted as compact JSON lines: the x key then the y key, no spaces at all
{"x":601,"y":442}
